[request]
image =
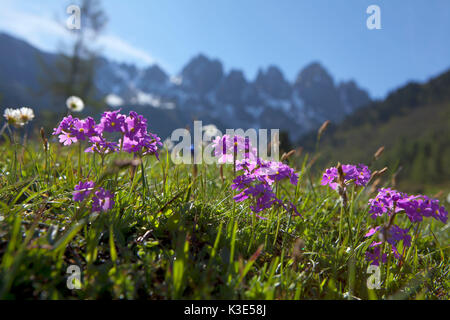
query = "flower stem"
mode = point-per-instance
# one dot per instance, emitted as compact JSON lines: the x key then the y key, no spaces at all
{"x":13,"y":141}
{"x":144,"y":181}
{"x":253,"y":232}
{"x":79,"y":160}
{"x":340,"y":222}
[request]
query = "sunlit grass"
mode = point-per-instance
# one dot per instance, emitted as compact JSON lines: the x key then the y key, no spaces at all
{"x":172,"y":236}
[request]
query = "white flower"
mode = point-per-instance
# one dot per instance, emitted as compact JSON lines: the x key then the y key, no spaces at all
{"x":18,"y":117}
{"x":74,"y":103}
{"x":210,"y":131}
{"x":12,"y":116}
{"x":26,"y":115}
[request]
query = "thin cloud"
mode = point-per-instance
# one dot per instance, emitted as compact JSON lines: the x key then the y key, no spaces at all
{"x":122,"y":48}
{"x":40,"y":31}
{"x":46,"y":34}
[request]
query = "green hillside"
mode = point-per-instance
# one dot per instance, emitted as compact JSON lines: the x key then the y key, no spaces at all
{"x":412,"y":123}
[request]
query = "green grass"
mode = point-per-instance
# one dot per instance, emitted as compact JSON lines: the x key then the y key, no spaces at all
{"x":170,"y":236}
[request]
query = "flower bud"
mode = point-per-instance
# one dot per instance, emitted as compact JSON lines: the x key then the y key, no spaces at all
{"x":378,"y":153}
{"x":322,"y":128}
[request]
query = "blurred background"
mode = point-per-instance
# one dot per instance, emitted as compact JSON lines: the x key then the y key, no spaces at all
{"x":288,"y":65}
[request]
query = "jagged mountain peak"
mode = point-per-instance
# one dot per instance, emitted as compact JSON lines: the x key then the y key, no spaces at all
{"x":352,"y":96}
{"x":157,"y":70}
{"x":316,"y":87}
{"x":152,"y":78}
{"x":202,"y":74}
{"x":202,"y":90}
{"x":236,"y":75}
{"x":272,"y":82}
{"x":314,"y":73}
{"x":232,"y":87}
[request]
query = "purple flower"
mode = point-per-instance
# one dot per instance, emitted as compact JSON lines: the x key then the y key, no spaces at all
{"x":360,"y":174}
{"x":135,"y":125}
{"x":241,"y":182}
{"x":393,"y":236}
{"x":440,"y":213}
{"x":66,"y":125}
{"x":363,"y":175}
{"x":350,"y":172}
{"x":329,"y":176}
{"x":228,"y":148}
{"x":255,"y":183}
{"x":372,"y":231}
{"x":135,"y":136}
{"x":112,"y":121}
{"x":420,"y":206}
{"x":374,"y":254}
{"x":101,"y":145}
{"x":102,"y":201}
{"x":279,"y":171}
{"x":79,"y":129}
{"x":415,"y":207}
{"x":392,"y":202}
{"x":150,"y":144}
{"x":67,"y":138}
{"x":262,"y":196}
{"x":254,"y":167}
{"x":221,"y":146}
{"x":89,"y":127}
{"x":82,"y":190}
{"x":384,"y":202}
{"x":266,"y":171}
{"x":131,"y":145}
{"x":147,"y":144}
{"x":396,"y":234}
{"x":66,"y":131}
{"x":71,"y":130}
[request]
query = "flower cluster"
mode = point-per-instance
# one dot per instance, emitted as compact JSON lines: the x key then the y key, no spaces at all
{"x":228,"y":149}
{"x":384,"y":202}
{"x":391,"y":202}
{"x":359,"y":174}
{"x":416,"y":207}
{"x":266,"y":171}
{"x":133,"y":129}
{"x":18,"y":117}
{"x":102,"y":199}
{"x":392,"y":235}
{"x":374,"y":254}
{"x":72,"y":130}
{"x":256,"y":180}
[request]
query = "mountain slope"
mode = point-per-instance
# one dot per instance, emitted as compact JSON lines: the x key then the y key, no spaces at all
{"x":20,"y":71}
{"x":412,"y":123}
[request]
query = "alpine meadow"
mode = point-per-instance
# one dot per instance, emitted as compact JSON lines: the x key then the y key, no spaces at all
{"x":311,"y":161}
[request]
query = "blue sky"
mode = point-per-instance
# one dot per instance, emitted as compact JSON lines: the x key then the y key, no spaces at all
{"x":413,"y":43}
